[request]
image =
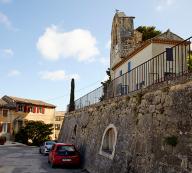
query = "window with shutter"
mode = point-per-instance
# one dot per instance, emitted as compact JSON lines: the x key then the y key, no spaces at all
{"x":120,"y":73}
{"x":4,"y":127}
{"x":5,"y":112}
{"x":25,"y":108}
{"x":129,"y":66}
{"x":40,"y":110}
{"x":17,"y":108}
{"x":34,"y":109}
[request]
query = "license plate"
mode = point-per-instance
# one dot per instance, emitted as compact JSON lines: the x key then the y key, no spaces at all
{"x":66,"y":160}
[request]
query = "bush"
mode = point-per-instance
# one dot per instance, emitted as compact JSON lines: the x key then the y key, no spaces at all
{"x":171,"y":140}
{"x":34,"y":133}
{"x":2,"y":140}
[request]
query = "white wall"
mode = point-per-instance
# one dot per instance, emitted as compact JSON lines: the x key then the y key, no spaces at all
{"x":136,"y":60}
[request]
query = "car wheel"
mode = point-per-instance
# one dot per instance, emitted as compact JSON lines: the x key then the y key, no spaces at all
{"x":48,"y":160}
{"x":39,"y":151}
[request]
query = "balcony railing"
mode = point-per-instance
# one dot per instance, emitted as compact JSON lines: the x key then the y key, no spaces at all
{"x":173,"y":62}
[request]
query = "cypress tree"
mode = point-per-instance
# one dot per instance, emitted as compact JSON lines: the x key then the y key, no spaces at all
{"x":72,"y":96}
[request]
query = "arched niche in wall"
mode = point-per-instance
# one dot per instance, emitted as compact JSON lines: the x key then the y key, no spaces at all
{"x":108,"y":142}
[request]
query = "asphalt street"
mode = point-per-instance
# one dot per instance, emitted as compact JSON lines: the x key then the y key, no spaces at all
{"x":25,"y":159}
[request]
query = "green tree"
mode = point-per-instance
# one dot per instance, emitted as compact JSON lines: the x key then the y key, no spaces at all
{"x":34,"y":131}
{"x":72,"y":96}
{"x":148,"y":32}
{"x":106,"y":85}
{"x":189,"y":61}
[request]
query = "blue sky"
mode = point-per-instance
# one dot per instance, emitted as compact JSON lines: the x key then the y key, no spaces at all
{"x":44,"y":43}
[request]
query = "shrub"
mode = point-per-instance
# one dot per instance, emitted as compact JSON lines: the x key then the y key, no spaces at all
{"x":2,"y":140}
{"x":171,"y":140}
{"x":34,"y":133}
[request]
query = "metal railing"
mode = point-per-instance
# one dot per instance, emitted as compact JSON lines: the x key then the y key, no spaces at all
{"x":173,"y":62}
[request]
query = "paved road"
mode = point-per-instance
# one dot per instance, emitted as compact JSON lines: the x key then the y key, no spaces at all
{"x":24,"y":159}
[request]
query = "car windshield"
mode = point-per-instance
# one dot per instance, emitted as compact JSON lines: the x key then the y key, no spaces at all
{"x":66,"y":150}
{"x":49,"y":143}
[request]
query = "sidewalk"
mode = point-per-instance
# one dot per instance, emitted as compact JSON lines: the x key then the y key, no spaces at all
{"x":10,"y":143}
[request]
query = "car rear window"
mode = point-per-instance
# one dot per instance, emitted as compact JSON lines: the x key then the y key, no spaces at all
{"x":49,"y":143}
{"x":66,"y":150}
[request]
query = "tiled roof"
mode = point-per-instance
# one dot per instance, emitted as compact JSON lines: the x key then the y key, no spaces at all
{"x":30,"y":101}
{"x":2,"y":103}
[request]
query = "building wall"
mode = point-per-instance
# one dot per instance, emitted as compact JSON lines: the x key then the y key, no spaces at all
{"x":5,"y":124}
{"x":136,"y":60}
{"x":59,"y":117}
{"x":146,"y":124}
{"x":150,"y":66}
{"x":48,"y":117}
{"x":16,"y":119}
{"x":146,"y":54}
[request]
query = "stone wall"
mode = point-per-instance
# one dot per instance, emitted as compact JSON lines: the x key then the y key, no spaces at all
{"x":154,"y":132}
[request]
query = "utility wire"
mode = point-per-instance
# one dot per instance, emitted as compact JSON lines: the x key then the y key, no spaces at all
{"x":62,"y":96}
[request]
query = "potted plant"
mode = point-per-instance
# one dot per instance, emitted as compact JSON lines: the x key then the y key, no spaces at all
{"x":2,"y":140}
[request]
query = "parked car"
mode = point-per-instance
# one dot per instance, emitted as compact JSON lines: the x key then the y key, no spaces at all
{"x":46,"y":147}
{"x":64,"y":154}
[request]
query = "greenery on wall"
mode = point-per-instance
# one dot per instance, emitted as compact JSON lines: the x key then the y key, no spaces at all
{"x":148,"y":32}
{"x":171,"y":140}
{"x":189,"y":61}
{"x":105,"y":85}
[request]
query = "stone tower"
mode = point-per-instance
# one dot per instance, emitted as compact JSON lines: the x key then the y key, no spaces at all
{"x":123,"y":37}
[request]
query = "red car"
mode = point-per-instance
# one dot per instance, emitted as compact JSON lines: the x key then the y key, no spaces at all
{"x":64,"y":154}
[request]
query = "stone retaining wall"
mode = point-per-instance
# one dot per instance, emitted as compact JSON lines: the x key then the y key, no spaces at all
{"x":154,"y":132}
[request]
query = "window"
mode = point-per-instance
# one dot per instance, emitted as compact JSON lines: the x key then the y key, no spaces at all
{"x":108,"y":143}
{"x":120,"y":73}
{"x":4,"y":128}
{"x":21,"y":108}
{"x":30,"y":109}
{"x":57,"y":126}
{"x":129,"y":66}
{"x":5,"y":112}
{"x":58,"y":118}
{"x":66,"y":150}
{"x":169,"y":54}
{"x":40,"y":110}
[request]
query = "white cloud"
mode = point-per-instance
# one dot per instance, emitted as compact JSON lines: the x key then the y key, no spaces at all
{"x":79,"y":44}
{"x":57,"y":75}
{"x":162,"y":4}
{"x":5,"y":1}
{"x":8,"y":52}
{"x":14,"y":73}
{"x":5,"y":21}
